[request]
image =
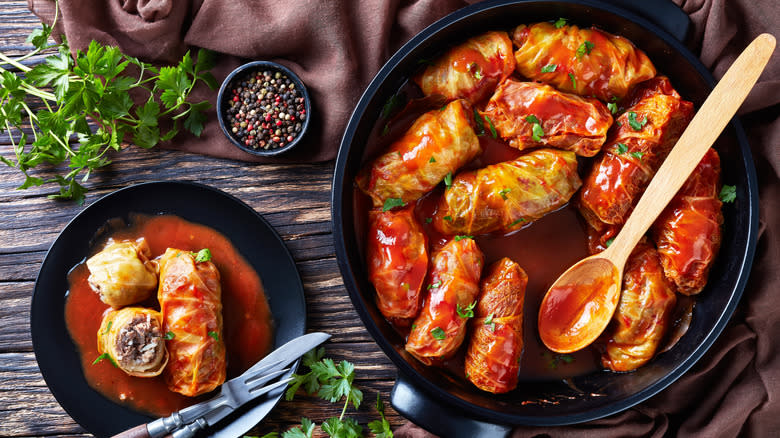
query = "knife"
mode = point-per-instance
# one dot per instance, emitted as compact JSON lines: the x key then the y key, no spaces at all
{"x":249,"y":385}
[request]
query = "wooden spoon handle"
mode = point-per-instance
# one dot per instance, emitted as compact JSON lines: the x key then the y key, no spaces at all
{"x":701,"y":133}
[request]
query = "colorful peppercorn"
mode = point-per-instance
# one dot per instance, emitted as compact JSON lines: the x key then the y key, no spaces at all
{"x":266,"y":110}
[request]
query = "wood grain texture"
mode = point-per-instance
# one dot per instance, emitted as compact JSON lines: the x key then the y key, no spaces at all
{"x":295,"y":199}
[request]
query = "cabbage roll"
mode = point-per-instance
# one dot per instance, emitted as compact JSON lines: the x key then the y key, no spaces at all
{"x":134,"y":341}
{"x":438,"y":143}
{"x":397,"y":261}
{"x":588,"y":62}
{"x":493,"y":357}
{"x":453,"y":286}
{"x":636,"y":146}
{"x":644,"y":312}
{"x":688,"y":231}
{"x":470,"y":70}
{"x":565,"y":121}
{"x":506,"y":196}
{"x":190,"y":298}
{"x":122,"y":273}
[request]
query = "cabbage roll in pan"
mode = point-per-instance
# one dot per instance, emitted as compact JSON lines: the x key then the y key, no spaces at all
{"x":493,"y":357}
{"x":505,"y":196}
{"x":566,"y":121}
{"x":453,"y":287}
{"x":190,"y":297}
{"x":470,"y":70}
{"x":588,"y":62}
{"x":644,"y":312}
{"x":122,"y":273}
{"x":637,"y":144}
{"x":133,"y":339}
{"x":397,"y":252}
{"x":688,"y":231}
{"x":438,"y":142}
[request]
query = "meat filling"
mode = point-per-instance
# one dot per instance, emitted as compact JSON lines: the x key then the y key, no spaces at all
{"x":139,"y":342}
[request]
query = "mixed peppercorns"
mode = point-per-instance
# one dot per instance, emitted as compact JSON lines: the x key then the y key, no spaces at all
{"x":265,"y":110}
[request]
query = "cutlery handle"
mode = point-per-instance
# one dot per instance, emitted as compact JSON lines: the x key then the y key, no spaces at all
{"x":139,"y":431}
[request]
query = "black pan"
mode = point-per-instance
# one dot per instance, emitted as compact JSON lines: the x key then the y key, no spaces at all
{"x":454,"y":408}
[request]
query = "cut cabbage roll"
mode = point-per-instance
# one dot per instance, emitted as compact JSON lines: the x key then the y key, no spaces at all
{"x":493,"y":357}
{"x":688,"y":231}
{"x":470,"y":70}
{"x":438,"y":143}
{"x":122,"y":273}
{"x":134,"y":341}
{"x":397,"y":261}
{"x":588,"y":62}
{"x":644,"y":312}
{"x":506,"y":196}
{"x":565,"y":121}
{"x":636,"y":146}
{"x":452,"y":289}
{"x":190,"y":298}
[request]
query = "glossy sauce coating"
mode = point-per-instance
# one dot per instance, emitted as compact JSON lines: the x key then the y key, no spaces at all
{"x":688,"y":231}
{"x":588,"y":62}
{"x":397,"y":253}
{"x":248,"y":331}
{"x":568,"y":121}
{"x":469,"y":70}
{"x":493,"y":357}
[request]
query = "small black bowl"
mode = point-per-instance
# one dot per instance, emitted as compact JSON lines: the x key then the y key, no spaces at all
{"x":225,"y":97}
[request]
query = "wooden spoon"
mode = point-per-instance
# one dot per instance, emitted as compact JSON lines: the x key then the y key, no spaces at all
{"x":579,"y":305}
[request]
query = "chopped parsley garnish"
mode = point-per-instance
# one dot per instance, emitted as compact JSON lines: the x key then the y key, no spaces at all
{"x":434,"y":285}
{"x":203,"y":255}
{"x":391,"y":203}
{"x":428,"y":220}
{"x":214,"y":335}
{"x":432,"y":160}
{"x":108,"y":327}
{"x":393,"y":103}
{"x":503,"y":193}
{"x":559,"y":23}
{"x":475,"y":70}
{"x":468,"y":311}
{"x":516,"y":222}
{"x":168,"y":336}
{"x":584,"y":49}
{"x":622,"y":148}
{"x":635,"y":124}
{"x":609,"y":241}
{"x":549,"y":68}
{"x":438,"y":333}
{"x":105,"y":356}
{"x":532,"y":119}
{"x":459,"y":238}
{"x":728,"y":194}
{"x":448,"y":180}
{"x":638,"y":155}
{"x":536,"y":127}
{"x":493,"y":132}
{"x":489,"y":322}
{"x":448,"y":218}
{"x":480,"y":124}
{"x":555,"y":359}
{"x":612,"y":107}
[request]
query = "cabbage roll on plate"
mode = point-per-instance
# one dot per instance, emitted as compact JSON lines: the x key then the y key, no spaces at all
{"x":134,"y":341}
{"x":122,"y":273}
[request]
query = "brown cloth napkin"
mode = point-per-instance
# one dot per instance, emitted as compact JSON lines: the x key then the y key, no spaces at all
{"x":337,"y":46}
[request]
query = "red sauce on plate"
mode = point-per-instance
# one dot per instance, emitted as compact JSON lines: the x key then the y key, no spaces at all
{"x":248,"y":327}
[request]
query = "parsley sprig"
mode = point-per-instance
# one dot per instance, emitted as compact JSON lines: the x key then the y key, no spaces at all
{"x":88,"y":111}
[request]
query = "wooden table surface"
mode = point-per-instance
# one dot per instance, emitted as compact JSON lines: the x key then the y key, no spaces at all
{"x":295,"y":199}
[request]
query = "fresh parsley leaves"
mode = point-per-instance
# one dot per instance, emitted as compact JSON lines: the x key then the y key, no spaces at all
{"x":503,"y":193}
{"x":612,"y":107}
{"x":536,"y":127}
{"x":448,"y":180}
{"x":466,"y":312}
{"x":381,"y":427}
{"x":438,"y":333}
{"x":204,"y":255}
{"x":559,"y":23}
{"x":391,"y":203}
{"x":490,"y":323}
{"x":105,"y":356}
{"x":573,"y":80}
{"x":584,"y":49}
{"x":549,"y":68}
{"x":728,"y":194}
{"x":621,"y":148}
{"x":635,"y":123}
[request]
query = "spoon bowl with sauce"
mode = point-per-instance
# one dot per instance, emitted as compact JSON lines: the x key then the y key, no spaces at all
{"x":580,"y":303}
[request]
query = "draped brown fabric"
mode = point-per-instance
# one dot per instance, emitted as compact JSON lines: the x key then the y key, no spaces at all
{"x":337,"y":46}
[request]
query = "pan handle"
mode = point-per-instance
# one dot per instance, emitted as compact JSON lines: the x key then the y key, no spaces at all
{"x":446,"y":421}
{"x":663,"y":13}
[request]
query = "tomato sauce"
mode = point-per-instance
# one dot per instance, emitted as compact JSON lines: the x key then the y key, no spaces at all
{"x":248,"y":326}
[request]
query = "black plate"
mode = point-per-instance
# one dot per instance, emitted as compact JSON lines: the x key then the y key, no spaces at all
{"x":450,"y":407}
{"x":252,"y":236}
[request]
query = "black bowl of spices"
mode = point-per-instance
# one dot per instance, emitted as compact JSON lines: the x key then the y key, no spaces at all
{"x":263,"y":108}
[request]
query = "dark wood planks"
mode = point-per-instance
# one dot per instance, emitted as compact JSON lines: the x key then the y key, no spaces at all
{"x":295,"y":199}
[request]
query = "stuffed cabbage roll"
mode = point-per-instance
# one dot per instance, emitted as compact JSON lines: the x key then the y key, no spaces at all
{"x":493,"y":357}
{"x":122,"y":273}
{"x":470,"y":70}
{"x":644,"y":312}
{"x":134,"y":341}
{"x":530,"y":114}
{"x":190,"y":297}
{"x":636,"y":146}
{"x":438,"y":143}
{"x":688,"y":231}
{"x":397,"y":261}
{"x":505,"y":196}
{"x":588,"y":62}
{"x":452,"y":289}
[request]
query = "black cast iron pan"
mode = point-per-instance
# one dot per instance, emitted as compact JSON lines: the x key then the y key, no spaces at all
{"x":453,"y":408}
